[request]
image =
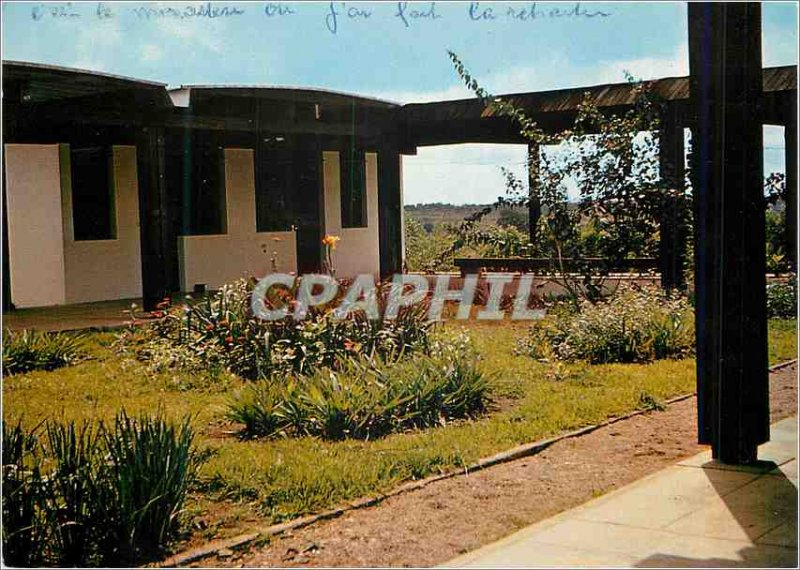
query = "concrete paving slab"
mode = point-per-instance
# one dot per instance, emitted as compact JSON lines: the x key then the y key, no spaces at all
{"x":676,"y":493}
{"x":785,"y":430}
{"x":779,"y":452}
{"x":788,"y":470}
{"x":538,"y":555}
{"x":706,"y":462}
{"x":784,"y":535}
{"x":763,"y":557}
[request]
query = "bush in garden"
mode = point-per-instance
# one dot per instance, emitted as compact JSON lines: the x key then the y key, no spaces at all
{"x":23,"y":529}
{"x":34,"y":350}
{"x":72,"y":493}
{"x":638,"y":324}
{"x":782,"y":299}
{"x":151,"y":464}
{"x":221,"y":332}
{"x":366,"y":399}
{"x":80,"y":495}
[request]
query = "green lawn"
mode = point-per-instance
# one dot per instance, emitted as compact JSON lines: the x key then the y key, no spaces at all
{"x":286,"y":478}
{"x":782,"y":340}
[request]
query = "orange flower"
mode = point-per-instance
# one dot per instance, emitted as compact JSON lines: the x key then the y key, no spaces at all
{"x":331,"y":241}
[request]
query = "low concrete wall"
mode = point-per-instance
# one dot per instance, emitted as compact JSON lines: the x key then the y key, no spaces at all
{"x":213,"y":260}
{"x":544,"y":285}
{"x":358,"y":252}
{"x":102,"y":270}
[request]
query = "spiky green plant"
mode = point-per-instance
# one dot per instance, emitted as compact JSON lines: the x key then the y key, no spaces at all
{"x":28,"y":350}
{"x":151,"y":464}
{"x":73,"y":505}
{"x":366,"y":398}
{"x":84,"y":495}
{"x":23,"y":531}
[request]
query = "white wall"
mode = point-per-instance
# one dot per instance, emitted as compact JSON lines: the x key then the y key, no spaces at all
{"x":100,"y":270}
{"x":358,"y":251}
{"x":214,"y":260}
{"x":35,"y":234}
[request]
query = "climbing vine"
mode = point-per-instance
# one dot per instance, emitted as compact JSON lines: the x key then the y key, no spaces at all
{"x":610,"y":161}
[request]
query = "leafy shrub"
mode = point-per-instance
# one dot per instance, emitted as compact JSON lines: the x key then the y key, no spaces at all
{"x":636,"y":325}
{"x":83,"y":495}
{"x":220,"y":332}
{"x":366,"y":399}
{"x":650,"y":403}
{"x":34,"y":350}
{"x":72,"y":493}
{"x":23,"y":531}
{"x":435,"y":250}
{"x":782,"y":299}
{"x":151,"y":464}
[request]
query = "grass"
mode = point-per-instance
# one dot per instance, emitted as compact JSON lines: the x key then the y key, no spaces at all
{"x":782,"y":340}
{"x":284,"y":478}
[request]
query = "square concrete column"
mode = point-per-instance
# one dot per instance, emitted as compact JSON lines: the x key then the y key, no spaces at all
{"x":672,"y":223}
{"x":534,"y":200}
{"x":790,"y":138}
{"x":730,"y":264}
{"x":153,"y":219}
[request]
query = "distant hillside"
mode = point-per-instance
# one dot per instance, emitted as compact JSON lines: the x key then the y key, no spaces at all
{"x":445,"y":213}
{"x":438,"y":213}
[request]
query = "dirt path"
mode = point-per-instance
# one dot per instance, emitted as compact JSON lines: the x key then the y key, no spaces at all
{"x":450,"y":517}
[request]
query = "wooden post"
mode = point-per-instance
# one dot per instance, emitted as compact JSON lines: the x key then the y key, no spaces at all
{"x":790,"y":138}
{"x":672,"y":226}
{"x":534,"y":200}
{"x":153,"y":217}
{"x":390,"y":211}
{"x":730,"y":264}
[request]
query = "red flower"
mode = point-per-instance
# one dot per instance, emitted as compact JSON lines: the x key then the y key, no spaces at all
{"x":209,"y":327}
{"x":229,"y":339}
{"x":157,"y":314}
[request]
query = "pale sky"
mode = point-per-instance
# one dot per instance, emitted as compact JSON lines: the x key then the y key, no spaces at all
{"x":394,"y":50}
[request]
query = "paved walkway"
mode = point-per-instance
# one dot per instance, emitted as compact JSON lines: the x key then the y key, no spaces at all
{"x":697,"y":513}
{"x":105,"y":314}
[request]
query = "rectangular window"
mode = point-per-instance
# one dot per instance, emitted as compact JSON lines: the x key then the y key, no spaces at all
{"x":353,"y":188}
{"x":93,"y":204}
{"x":275,"y":192}
{"x":204,"y":204}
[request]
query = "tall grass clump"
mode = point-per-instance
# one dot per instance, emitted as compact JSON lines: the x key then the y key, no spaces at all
{"x":85,"y":495}
{"x":23,"y":528}
{"x":72,"y":493}
{"x":151,"y":464}
{"x":27,"y":350}
{"x":221,"y":332}
{"x":638,"y":324}
{"x":366,"y":399}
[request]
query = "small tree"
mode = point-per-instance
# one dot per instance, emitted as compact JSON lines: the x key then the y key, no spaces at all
{"x":613,"y":162}
{"x":777,"y":239}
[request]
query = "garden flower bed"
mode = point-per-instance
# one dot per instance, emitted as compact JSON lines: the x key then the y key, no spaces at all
{"x":342,"y":444}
